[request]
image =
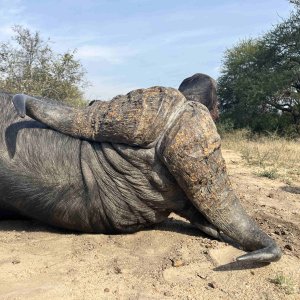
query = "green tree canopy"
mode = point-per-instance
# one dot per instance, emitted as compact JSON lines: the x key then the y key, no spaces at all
{"x":28,"y":65}
{"x":259,"y":86}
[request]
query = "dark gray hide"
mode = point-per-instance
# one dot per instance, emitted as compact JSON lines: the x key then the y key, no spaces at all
{"x":201,"y":88}
{"x":80,"y":185}
{"x":133,"y":160}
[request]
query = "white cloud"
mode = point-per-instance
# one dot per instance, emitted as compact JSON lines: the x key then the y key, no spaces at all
{"x":183,"y":35}
{"x":105,"y":88}
{"x":10,"y":9}
{"x":113,"y":55}
{"x":10,"y":12}
{"x":6,"y":30}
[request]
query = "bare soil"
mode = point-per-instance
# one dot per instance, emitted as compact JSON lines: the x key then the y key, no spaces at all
{"x":170,"y":261}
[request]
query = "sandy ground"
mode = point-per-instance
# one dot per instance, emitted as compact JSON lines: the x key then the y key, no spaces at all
{"x":171,"y":261}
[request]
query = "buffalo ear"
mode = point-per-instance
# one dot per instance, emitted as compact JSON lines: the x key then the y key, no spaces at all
{"x":201,"y":88}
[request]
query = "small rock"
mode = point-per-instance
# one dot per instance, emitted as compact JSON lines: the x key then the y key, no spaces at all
{"x":15,"y":261}
{"x":212,"y":284}
{"x":289,"y":247}
{"x":177,"y":263}
{"x":277,"y":232}
{"x":202,"y":276}
{"x":252,"y":272}
{"x":106,"y":290}
{"x":117,"y":270}
{"x":271,"y":195}
{"x":167,"y":293}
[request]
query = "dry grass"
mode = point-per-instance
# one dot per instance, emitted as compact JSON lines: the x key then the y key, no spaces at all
{"x":272,"y":156}
{"x":285,"y":283}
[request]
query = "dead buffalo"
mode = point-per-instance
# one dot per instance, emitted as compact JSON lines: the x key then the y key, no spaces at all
{"x":120,"y":166}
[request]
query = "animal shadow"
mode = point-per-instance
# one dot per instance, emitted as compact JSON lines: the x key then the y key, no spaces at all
{"x":20,"y":223}
{"x":291,"y":189}
{"x":239,"y":265}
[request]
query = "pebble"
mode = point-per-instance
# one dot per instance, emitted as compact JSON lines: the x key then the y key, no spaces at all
{"x":106,"y":290}
{"x":202,"y":276}
{"x":289,"y":247}
{"x":281,"y":232}
{"x":117,"y":270}
{"x":177,"y":263}
{"x":271,"y":195}
{"x":15,"y":261}
{"x":212,"y":284}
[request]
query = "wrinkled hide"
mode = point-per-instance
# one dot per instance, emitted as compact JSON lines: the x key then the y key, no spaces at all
{"x":74,"y":184}
{"x":131,"y":162}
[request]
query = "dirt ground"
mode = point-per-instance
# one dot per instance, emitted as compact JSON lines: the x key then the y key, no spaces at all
{"x":171,"y":261}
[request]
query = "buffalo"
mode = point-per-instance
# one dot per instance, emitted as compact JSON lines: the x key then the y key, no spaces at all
{"x":120,"y":166}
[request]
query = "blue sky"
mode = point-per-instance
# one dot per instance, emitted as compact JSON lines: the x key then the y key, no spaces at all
{"x":129,"y":44}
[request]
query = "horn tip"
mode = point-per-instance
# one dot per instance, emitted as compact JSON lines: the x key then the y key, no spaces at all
{"x":19,"y":102}
{"x":271,"y":253}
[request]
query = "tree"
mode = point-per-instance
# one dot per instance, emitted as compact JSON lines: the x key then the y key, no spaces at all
{"x":28,"y":65}
{"x":296,"y":3}
{"x":260,"y":82}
